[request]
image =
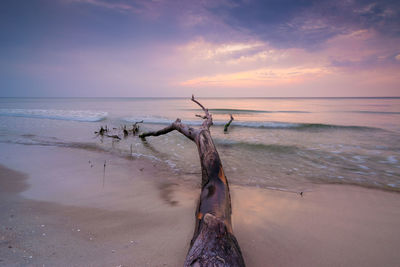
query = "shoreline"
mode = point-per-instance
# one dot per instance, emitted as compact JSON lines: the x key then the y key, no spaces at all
{"x":146,"y":218}
{"x":162,"y":167}
{"x":74,"y":221}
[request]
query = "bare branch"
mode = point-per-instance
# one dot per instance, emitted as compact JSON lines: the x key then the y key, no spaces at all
{"x":176,"y":125}
{"x":201,"y":116}
{"x":165,"y":130}
{"x":208,"y":118}
{"x":138,"y":122}
{"x":135,"y":127}
{"x":229,"y":123}
{"x":198,"y":103}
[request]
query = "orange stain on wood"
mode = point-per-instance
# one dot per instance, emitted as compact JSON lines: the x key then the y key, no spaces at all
{"x":221,"y":175}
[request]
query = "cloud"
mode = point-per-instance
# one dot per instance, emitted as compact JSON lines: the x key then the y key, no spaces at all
{"x":138,"y":47}
{"x":123,"y":6}
{"x":265,"y":77}
{"x":363,"y":49}
{"x":116,"y":5}
{"x":203,"y":50}
{"x":257,"y":64}
{"x":308,"y":24}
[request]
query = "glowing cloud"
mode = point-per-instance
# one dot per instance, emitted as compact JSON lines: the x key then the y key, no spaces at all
{"x":259,"y":77}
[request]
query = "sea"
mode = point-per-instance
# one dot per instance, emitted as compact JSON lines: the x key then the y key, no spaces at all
{"x":287,"y":144}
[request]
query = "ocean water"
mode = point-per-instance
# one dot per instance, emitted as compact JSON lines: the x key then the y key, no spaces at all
{"x":276,"y":143}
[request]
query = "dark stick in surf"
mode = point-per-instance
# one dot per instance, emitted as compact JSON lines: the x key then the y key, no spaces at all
{"x":135,"y":127}
{"x":228,"y":124}
{"x":104,"y":173}
{"x":213,"y":242}
{"x":125,"y":131}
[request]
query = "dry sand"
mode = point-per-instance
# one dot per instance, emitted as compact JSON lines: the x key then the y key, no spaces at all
{"x":54,"y":211}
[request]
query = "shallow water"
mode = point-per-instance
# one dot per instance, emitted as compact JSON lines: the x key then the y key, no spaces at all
{"x":279,"y":143}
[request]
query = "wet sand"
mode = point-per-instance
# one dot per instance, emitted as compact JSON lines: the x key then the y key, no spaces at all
{"x":55,"y":211}
{"x":335,"y":225}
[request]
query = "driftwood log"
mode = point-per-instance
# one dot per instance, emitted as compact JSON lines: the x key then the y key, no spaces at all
{"x":213,"y":242}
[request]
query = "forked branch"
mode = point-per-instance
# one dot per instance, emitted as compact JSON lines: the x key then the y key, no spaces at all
{"x":208,"y":118}
{"x":189,"y":132}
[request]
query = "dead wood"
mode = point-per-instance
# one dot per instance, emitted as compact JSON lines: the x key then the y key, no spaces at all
{"x":113,"y":136}
{"x":135,"y":127}
{"x":125,"y":131}
{"x":101,"y":131}
{"x":228,"y":124}
{"x":213,"y":242}
{"x":115,"y":133}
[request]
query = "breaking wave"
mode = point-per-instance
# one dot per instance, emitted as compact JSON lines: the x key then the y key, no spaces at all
{"x":377,"y":112}
{"x":70,"y":115}
{"x":245,"y":111}
{"x":256,"y":124}
{"x":275,"y":148}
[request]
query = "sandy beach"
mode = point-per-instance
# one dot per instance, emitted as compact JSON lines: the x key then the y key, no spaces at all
{"x":55,"y":211}
{"x":199,"y":133}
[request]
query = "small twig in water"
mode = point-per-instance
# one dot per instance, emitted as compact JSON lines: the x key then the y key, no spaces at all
{"x":135,"y":127}
{"x":104,"y":173}
{"x":229,"y":123}
{"x":125,"y":131}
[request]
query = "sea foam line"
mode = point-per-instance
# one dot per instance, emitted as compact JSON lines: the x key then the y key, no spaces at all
{"x":250,"y":124}
{"x":253,"y":124}
{"x":71,"y":115}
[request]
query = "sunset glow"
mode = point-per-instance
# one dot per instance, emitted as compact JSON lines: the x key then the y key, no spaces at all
{"x":165,"y":48}
{"x":200,"y":133}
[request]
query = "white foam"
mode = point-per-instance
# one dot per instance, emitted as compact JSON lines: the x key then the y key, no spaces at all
{"x":140,"y":155}
{"x":251,"y":124}
{"x":358,"y":158}
{"x":363,"y":167}
{"x":278,"y":188}
{"x":171,"y":164}
{"x":392,"y":159}
{"x":72,"y":115}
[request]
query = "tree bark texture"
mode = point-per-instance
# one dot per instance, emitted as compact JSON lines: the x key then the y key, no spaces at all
{"x":213,"y":242}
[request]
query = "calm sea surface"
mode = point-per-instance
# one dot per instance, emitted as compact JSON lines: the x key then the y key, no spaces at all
{"x":276,"y":143}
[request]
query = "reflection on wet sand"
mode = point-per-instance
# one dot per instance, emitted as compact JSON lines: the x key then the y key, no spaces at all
{"x":333,"y":225}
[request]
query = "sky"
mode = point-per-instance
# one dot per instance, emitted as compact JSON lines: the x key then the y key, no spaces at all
{"x":212,"y":48}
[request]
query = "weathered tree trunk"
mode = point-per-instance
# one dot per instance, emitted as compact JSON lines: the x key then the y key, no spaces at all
{"x":213,"y":242}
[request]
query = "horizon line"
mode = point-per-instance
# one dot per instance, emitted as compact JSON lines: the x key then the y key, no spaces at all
{"x":204,"y":97}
